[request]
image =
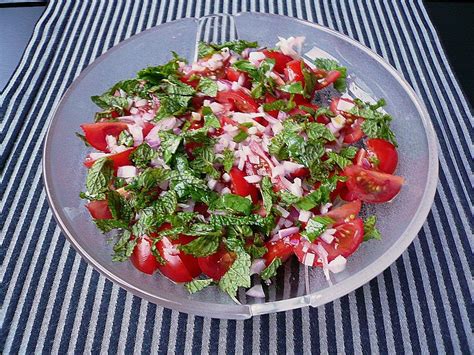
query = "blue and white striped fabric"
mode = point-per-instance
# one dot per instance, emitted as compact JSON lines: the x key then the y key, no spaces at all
{"x":52,"y":301}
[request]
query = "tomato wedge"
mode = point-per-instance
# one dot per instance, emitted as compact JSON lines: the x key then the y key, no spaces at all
{"x":96,"y":132}
{"x":216,"y":265}
{"x":239,"y":100}
{"x":281,"y":60}
{"x":386,"y":154}
{"x":179,"y":267}
{"x":99,"y":209}
{"x":329,"y":78}
{"x":353,"y":133}
{"x":282,"y":248}
{"x":293,"y":71}
{"x":118,"y":159}
{"x":372,"y":186}
{"x":347,"y":238}
{"x":240,"y":186}
{"x":345,"y":212}
{"x":142,"y":257}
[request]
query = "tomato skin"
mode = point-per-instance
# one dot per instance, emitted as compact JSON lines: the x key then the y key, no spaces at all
{"x":142,"y":257}
{"x":240,"y":186}
{"x":99,"y":209}
{"x":372,"y":186}
{"x":347,"y":239}
{"x":345,"y":212}
{"x":282,"y":248}
{"x":147,"y":128}
{"x":300,"y":173}
{"x":95,"y":133}
{"x":238,"y":99}
{"x":386,"y":154}
{"x":293,"y":72}
{"x":329,"y":78}
{"x":234,"y":75}
{"x":353,"y":133}
{"x":281,"y":60}
{"x":216,"y":265}
{"x":179,"y":267}
{"x":119,"y":159}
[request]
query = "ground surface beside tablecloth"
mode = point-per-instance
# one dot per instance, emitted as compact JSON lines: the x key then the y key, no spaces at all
{"x":53,"y":302}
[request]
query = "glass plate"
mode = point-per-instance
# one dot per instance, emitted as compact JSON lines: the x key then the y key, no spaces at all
{"x":295,"y":286}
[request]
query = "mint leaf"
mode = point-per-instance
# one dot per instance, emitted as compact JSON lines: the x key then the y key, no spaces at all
{"x":279,"y":105}
{"x":271,"y":270}
{"x":107,"y":101}
{"x":320,"y":195}
{"x":326,"y":111}
{"x":98,"y":177}
{"x":119,"y":207}
{"x":207,"y":49}
{"x":125,"y":138}
{"x":202,"y":246}
{"x":207,"y":86}
{"x":107,"y":225}
{"x":316,"y":226}
{"x":370,"y":231}
{"x":204,"y":158}
{"x":234,"y":204}
{"x":228,"y":159}
{"x":124,"y":246}
{"x":309,"y":80}
{"x":241,"y":136}
{"x":197,"y":285}
{"x":237,"y":276}
{"x":155,"y":75}
{"x":169,"y":144}
{"x":293,"y":88}
{"x":210,"y":119}
{"x":316,"y":131}
{"x":143,"y":155}
{"x":268,"y":196}
{"x":148,"y":179}
{"x":329,"y":65}
{"x":287,"y":198}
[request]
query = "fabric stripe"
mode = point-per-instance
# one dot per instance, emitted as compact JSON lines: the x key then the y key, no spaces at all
{"x":53,"y":302}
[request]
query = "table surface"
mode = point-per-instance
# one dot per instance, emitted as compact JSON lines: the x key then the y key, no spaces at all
{"x":451,"y":19}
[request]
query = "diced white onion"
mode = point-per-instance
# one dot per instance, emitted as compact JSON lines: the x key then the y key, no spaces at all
{"x":127,"y":171}
{"x":282,"y":233}
{"x":338,"y":264}
{"x":137,"y":134}
{"x":257,"y":266}
{"x":291,"y":46}
{"x":308,"y":259}
{"x":255,"y":57}
{"x":325,"y":208}
{"x":226,"y":177}
{"x":252,"y":179}
{"x":338,"y":121}
{"x":225,"y":190}
{"x":327,"y":235}
{"x":256,"y":291}
{"x":211,"y":183}
{"x":344,"y":105}
{"x":304,"y":216}
{"x":254,"y":159}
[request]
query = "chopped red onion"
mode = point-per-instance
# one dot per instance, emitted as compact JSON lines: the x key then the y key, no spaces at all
{"x":127,"y":171}
{"x":282,"y":233}
{"x":253,"y":179}
{"x":257,"y":266}
{"x":256,"y":291}
{"x":338,"y":264}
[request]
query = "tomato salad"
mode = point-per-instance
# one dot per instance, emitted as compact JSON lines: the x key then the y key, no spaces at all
{"x":224,"y":168}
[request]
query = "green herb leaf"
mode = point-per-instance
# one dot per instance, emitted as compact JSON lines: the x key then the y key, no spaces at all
{"x":143,"y":155}
{"x":234,"y":204}
{"x":148,"y":179}
{"x":207,"y":49}
{"x":237,"y":276}
{"x":370,"y":231}
{"x":241,"y":136}
{"x":124,"y":246}
{"x":268,"y":195}
{"x":324,"y":111}
{"x":107,"y":101}
{"x":204,"y":158}
{"x":287,"y":198}
{"x":169,"y":144}
{"x":125,"y":138}
{"x":197,"y":285}
{"x":271,"y":270}
{"x":316,"y":131}
{"x":207,"y":86}
{"x":99,"y":177}
{"x":228,"y":159}
{"x":107,"y":225}
{"x":119,"y":207}
{"x":202,"y":246}
{"x":83,"y":139}
{"x":309,"y":80}
{"x":210,"y":119}
{"x":155,"y":75}
{"x":279,"y":105}
{"x":293,"y":88}
{"x":320,"y":195}
{"x":316,"y":226}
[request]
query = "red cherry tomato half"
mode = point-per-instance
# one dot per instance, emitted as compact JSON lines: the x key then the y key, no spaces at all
{"x":216,"y":265}
{"x":142,"y":257}
{"x":240,"y":186}
{"x":234,"y":75}
{"x":330,"y":78}
{"x":99,"y":209}
{"x":119,"y":159}
{"x":179,"y":267}
{"x":239,"y":100}
{"x":293,"y":71}
{"x":96,"y":132}
{"x":345,"y":212}
{"x":347,"y":238}
{"x":282,"y":248}
{"x":372,"y":186}
{"x":281,"y":60}
{"x":386,"y":154}
{"x":353,"y":133}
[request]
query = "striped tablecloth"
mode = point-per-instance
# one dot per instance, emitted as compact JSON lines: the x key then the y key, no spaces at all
{"x":53,"y":302}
